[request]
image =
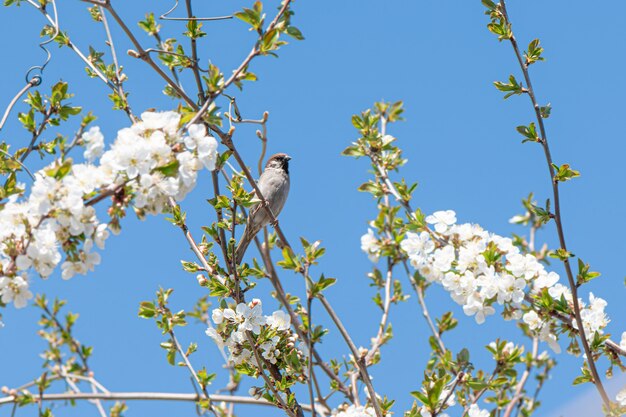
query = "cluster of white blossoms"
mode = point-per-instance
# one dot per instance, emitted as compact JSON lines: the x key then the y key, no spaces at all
{"x":152,"y":159}
{"x":480,"y":269}
{"x":354,"y":411}
{"x":274,"y":331}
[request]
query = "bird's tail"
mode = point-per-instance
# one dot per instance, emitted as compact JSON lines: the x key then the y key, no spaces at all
{"x":243,"y":245}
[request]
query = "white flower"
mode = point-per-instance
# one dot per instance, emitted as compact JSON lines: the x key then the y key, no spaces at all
{"x":205,"y":146}
{"x":94,"y":141}
{"x":370,"y":245}
{"x":511,"y":289}
{"x":218,"y":316}
{"x":545,"y":280}
{"x":252,"y":317}
{"x":622,"y":343}
{"x":279,"y":320}
{"x":101,"y":235}
{"x":207,"y":152}
{"x":189,"y":164}
{"x":167,"y":121}
{"x":442,"y":220}
{"x":442,"y":258}
{"x":532,"y":320}
{"x":476,"y":307}
{"x":248,"y":317}
{"x":354,"y":411}
{"x":593,"y":317}
{"x":213,"y":334}
{"x":550,"y":338}
{"x":418,"y":247}
{"x":524,"y":266}
{"x":15,"y":290}
{"x":474,"y":411}
{"x":269,"y":349}
{"x":560,"y":290}
{"x":240,"y":358}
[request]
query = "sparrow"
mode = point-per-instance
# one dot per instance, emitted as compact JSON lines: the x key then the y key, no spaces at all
{"x":274,"y":186}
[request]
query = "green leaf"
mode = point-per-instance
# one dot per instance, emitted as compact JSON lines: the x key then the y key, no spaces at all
{"x":149,"y":25}
{"x":513,"y":87}
{"x":533,"y":54}
{"x":529,"y":132}
{"x":253,"y":17}
{"x":353,"y":150}
{"x":194,"y":30}
{"x":564,"y":173}
{"x":561,"y":254}
{"x":60,"y":171}
{"x":190,"y":266}
{"x":169,"y":170}
{"x":584,"y":274}
{"x":295,"y":33}
{"x":321,"y":285}
{"x":290,"y":261}
{"x":147,"y":310}
{"x":217,"y":288}
{"x":205,"y":378}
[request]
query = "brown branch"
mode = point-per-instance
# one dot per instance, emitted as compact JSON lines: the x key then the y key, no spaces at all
{"x":194,"y":56}
{"x":193,"y":373}
{"x":141,"y":51}
{"x":557,"y":215}
{"x":419,"y":290}
{"x":517,"y":398}
{"x":244,"y":64}
{"x":145,"y":396}
{"x":118,"y":73}
{"x":359,"y":360}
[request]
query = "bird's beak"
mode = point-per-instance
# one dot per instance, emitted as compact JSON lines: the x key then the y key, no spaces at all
{"x":287,"y":157}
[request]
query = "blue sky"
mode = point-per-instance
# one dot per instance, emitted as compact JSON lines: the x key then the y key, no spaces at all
{"x":459,"y":137}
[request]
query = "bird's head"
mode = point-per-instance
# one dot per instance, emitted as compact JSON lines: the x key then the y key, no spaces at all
{"x":278,"y":161}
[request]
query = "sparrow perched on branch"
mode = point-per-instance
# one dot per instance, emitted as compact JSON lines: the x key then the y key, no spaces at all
{"x":274,"y":186}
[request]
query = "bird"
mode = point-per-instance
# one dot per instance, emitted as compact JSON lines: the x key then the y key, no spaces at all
{"x":274,"y":186}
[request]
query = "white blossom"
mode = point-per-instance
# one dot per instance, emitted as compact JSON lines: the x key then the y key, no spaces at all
{"x":442,"y":220}
{"x":15,"y":290}
{"x":474,"y":411}
{"x":213,"y":334}
{"x":279,"y":320}
{"x":94,"y":143}
{"x":370,"y":245}
{"x":354,"y":411}
{"x":533,"y":320}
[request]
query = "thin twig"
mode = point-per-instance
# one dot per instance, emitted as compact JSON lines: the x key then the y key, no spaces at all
{"x":358,"y":359}
{"x":194,"y":55}
{"x":557,"y":216}
{"x":378,"y":340}
{"x":244,"y":64}
{"x":193,"y":372}
{"x":517,"y":397}
{"x":194,"y":246}
{"x":145,"y":396}
{"x":118,"y":73}
{"x":73,"y":47}
{"x":419,"y":290}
